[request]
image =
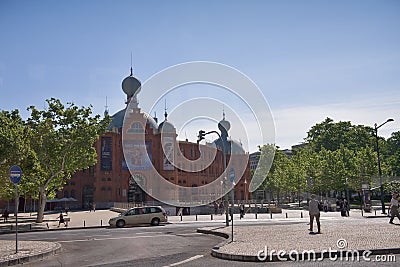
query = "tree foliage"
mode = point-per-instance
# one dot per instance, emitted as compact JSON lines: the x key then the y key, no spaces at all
{"x":59,"y":141}
{"x":336,"y":155}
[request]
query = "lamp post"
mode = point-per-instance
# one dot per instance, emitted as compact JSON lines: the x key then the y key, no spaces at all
{"x":379,"y":163}
{"x":201,"y":136}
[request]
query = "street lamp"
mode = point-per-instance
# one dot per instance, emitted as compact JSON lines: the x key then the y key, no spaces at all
{"x":201,"y":136}
{"x":379,"y":163}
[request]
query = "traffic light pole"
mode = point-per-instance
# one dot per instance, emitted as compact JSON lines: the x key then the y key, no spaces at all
{"x":201,"y":136}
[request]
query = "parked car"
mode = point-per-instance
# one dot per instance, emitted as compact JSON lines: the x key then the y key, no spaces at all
{"x":153,"y":215}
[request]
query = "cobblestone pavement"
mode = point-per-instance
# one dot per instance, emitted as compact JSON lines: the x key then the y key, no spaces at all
{"x":27,"y":250}
{"x":345,"y":234}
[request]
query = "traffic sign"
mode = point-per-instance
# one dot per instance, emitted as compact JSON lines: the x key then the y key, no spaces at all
{"x":15,"y":174}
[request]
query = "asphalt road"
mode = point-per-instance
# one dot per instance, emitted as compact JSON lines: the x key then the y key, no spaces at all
{"x":167,"y":245}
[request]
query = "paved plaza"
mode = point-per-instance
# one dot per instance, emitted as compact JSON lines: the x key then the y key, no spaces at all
{"x":287,"y":232}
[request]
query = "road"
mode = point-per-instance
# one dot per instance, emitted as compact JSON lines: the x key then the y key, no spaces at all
{"x":166,"y":246}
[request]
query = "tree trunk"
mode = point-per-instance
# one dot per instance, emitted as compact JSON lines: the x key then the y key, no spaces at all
{"x":42,"y":205}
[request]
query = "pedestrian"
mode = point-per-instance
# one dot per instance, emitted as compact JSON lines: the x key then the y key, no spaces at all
{"x":6,"y":214}
{"x":61,"y":219}
{"x":215,"y":208}
{"x":346,"y":207}
{"x":90,"y":206}
{"x":394,"y":208}
{"x":338,"y":204}
{"x":313,"y":209}
{"x":241,"y":208}
{"x":94,"y":206}
{"x":326,"y":205}
{"x":221,"y":207}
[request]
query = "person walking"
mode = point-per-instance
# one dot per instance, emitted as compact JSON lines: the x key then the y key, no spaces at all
{"x":313,"y":209}
{"x":61,"y":219}
{"x":5,"y":215}
{"x":394,"y":208}
{"x":346,"y":207}
{"x":241,"y":208}
{"x":326,"y":205}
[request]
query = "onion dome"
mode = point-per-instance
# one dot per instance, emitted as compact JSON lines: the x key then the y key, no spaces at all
{"x":131,"y":85}
{"x":224,"y":125}
{"x":165,"y":126}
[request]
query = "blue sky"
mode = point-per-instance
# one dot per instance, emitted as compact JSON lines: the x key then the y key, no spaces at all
{"x":311,"y":59}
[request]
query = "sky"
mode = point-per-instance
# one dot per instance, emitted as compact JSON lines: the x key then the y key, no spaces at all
{"x":310,"y":59}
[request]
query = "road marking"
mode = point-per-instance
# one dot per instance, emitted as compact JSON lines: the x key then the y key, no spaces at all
{"x":185,"y":261}
{"x":110,"y":238}
{"x":148,"y":233}
{"x":95,"y":235}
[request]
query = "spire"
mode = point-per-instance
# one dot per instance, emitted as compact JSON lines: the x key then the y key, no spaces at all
{"x":131,"y":65}
{"x":165,"y":109}
{"x":106,"y":109}
{"x":223,"y":112}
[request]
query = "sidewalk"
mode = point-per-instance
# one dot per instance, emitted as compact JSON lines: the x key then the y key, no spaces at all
{"x":339,"y":237}
{"x":290,"y":233}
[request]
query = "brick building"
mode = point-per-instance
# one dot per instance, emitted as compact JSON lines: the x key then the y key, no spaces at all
{"x":131,"y":159}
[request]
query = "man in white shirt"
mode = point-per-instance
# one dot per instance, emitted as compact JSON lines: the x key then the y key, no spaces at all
{"x":313,"y":208}
{"x":394,"y":208}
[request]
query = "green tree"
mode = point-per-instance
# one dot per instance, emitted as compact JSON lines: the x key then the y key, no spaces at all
{"x":393,"y":160}
{"x":62,"y":140}
{"x":14,"y":150}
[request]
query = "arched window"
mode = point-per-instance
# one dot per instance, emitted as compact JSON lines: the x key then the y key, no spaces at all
{"x":136,"y":127}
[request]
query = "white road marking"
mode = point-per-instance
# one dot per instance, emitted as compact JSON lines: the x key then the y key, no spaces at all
{"x":110,"y":238}
{"x":95,"y":235}
{"x":148,"y":233}
{"x":185,"y":261}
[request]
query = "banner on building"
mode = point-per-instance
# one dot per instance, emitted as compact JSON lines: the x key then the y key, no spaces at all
{"x":138,"y":155}
{"x":168,"y":155}
{"x":106,"y":153}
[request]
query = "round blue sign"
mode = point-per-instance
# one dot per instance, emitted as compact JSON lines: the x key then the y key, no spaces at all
{"x":15,"y":174}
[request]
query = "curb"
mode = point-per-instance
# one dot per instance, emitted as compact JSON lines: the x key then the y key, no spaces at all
{"x":281,"y":258}
{"x":38,"y":256}
{"x":54,"y":229}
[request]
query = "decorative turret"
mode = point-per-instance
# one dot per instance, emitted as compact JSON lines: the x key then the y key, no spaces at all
{"x":131,"y":87}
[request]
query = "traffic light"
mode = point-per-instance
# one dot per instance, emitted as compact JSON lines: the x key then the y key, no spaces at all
{"x":201,"y":135}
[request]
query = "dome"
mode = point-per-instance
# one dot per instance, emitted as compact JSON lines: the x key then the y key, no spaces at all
{"x":166,"y":127}
{"x":224,"y":125}
{"x":118,"y":120}
{"x":131,"y":86}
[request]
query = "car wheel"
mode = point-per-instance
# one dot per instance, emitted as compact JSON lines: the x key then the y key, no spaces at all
{"x":155,"y":221}
{"x":120,"y":223}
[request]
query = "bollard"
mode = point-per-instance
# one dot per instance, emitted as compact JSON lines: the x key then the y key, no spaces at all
{"x":362,"y":212}
{"x":375,"y":212}
{"x":301,"y":214}
{"x":181,"y":216}
{"x":84,"y":223}
{"x":256,"y":215}
{"x":270,"y":213}
{"x":286,"y":215}
{"x":101,"y":222}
